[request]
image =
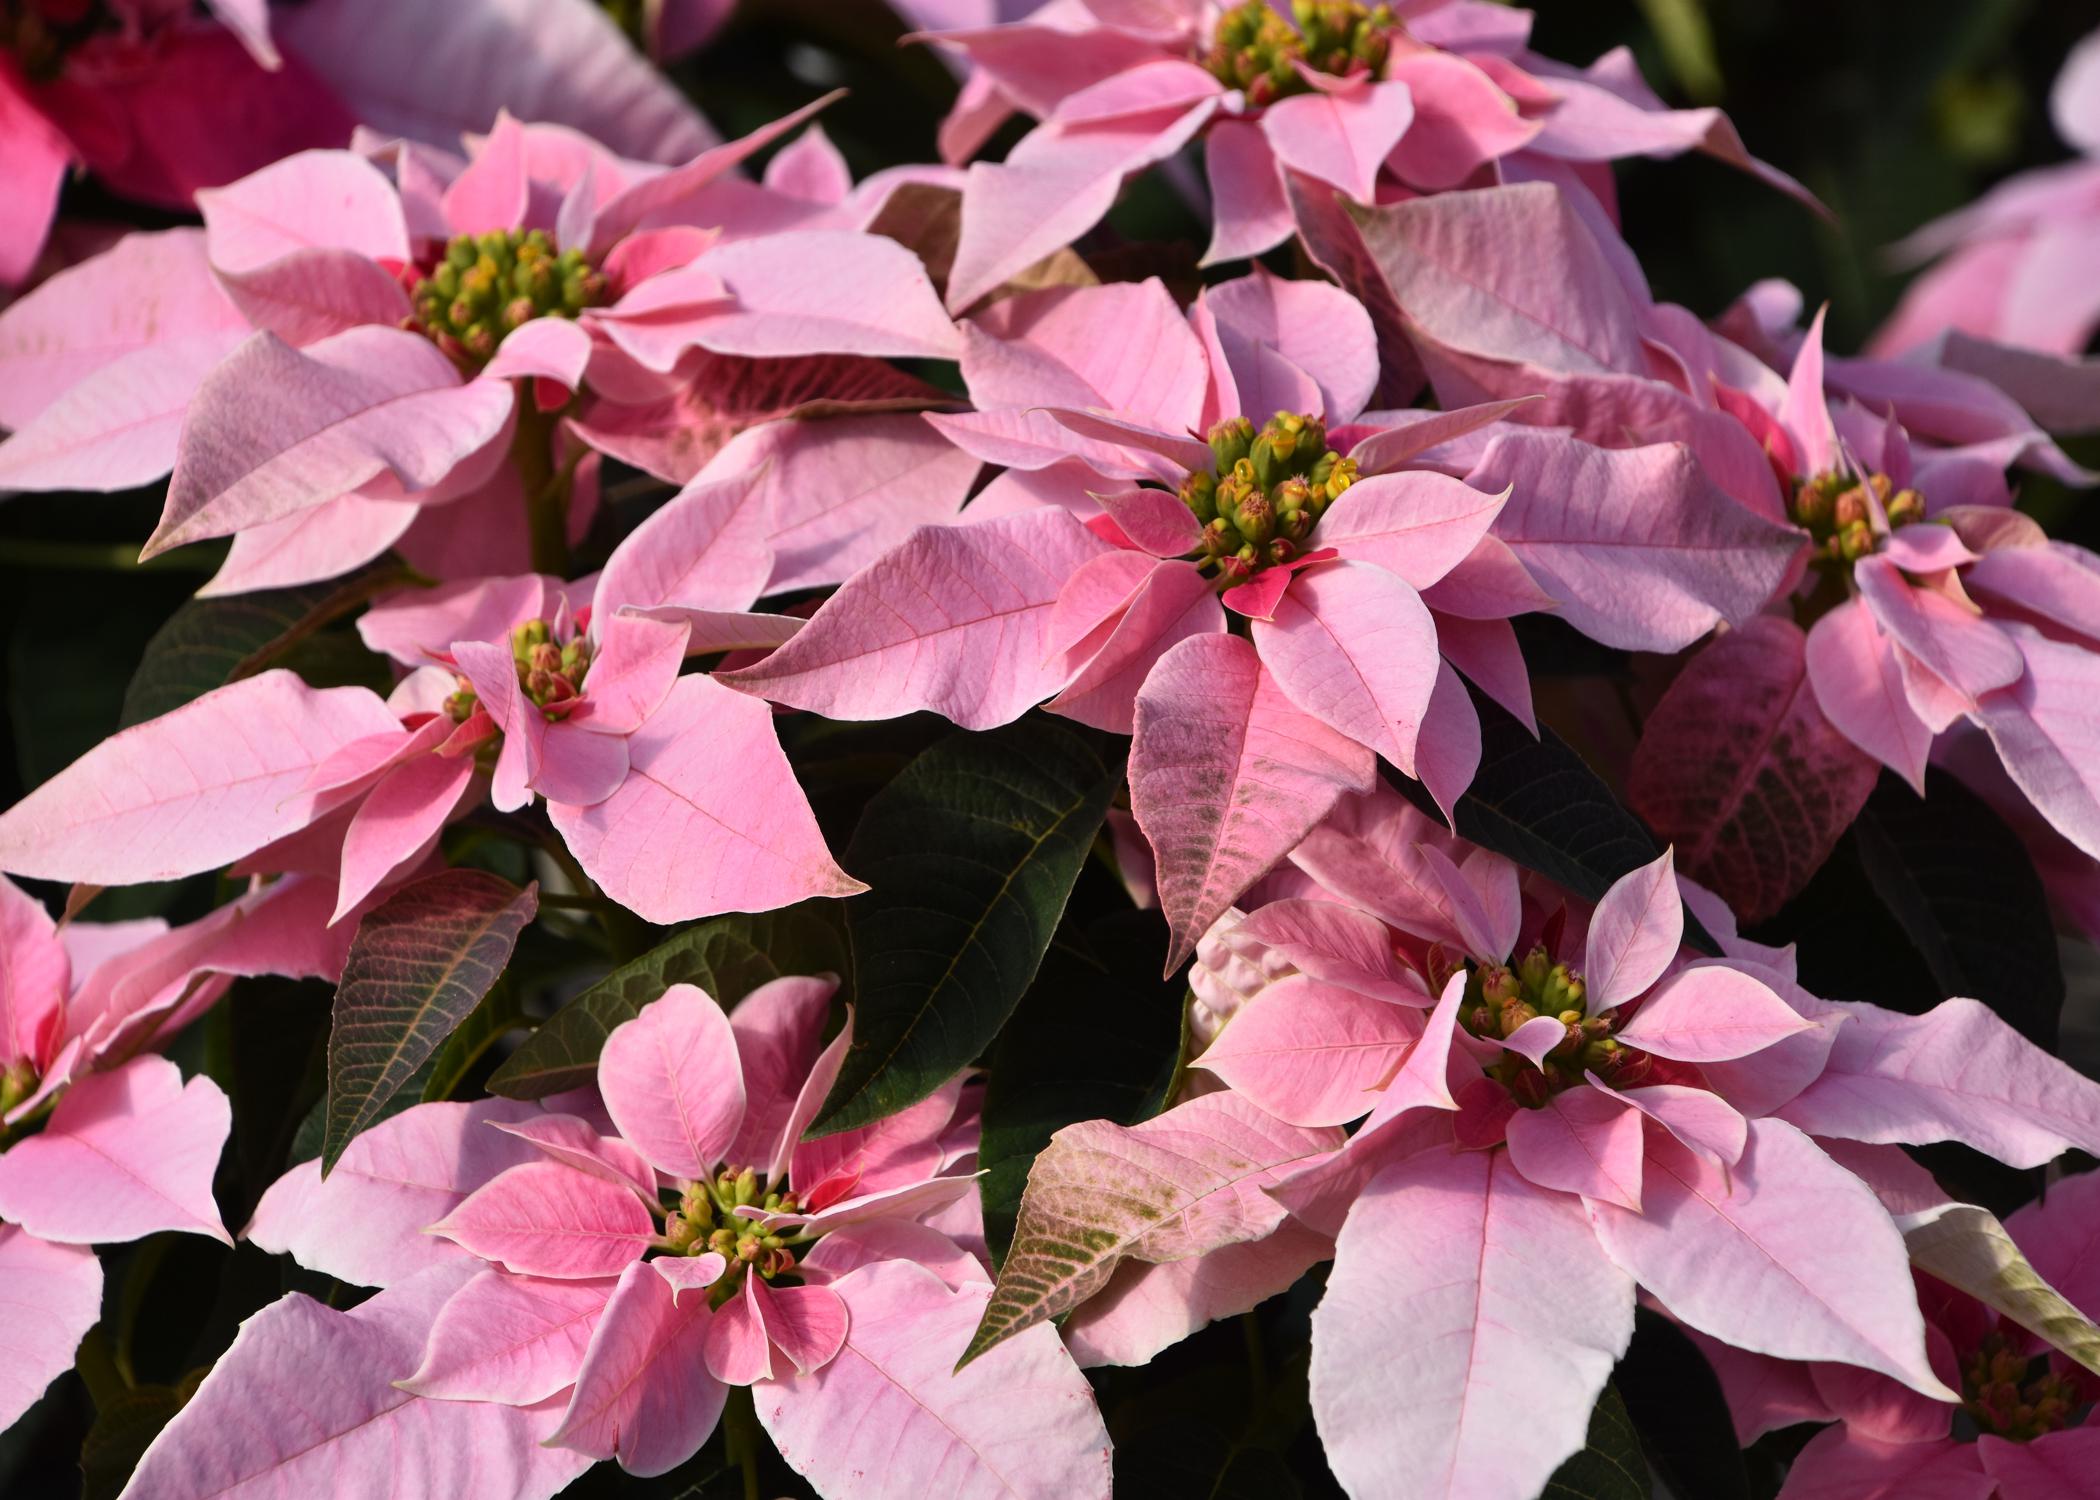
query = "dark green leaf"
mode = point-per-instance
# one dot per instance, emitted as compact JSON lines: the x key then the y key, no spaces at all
{"x":1675,"y":1401}
{"x":1095,"y":1037}
{"x":501,"y":1011}
{"x":729,"y":957}
{"x":970,"y":855}
{"x":1537,"y":802}
{"x":208,"y":643}
{"x":419,"y":964}
{"x":1610,"y":1466}
{"x":1960,"y":885}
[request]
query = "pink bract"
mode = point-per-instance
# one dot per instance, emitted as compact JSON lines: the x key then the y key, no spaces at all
{"x":1447,"y":97}
{"x":418,"y":326}
{"x":618,"y":1271}
{"x":104,"y":1141}
{"x":1369,"y":587}
{"x":1615,"y":1108}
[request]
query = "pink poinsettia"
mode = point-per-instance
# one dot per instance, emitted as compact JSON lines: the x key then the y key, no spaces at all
{"x":101,"y":1141}
{"x":102,"y":87}
{"x":110,"y":87}
{"x":1932,"y":609}
{"x":1365,"y":571}
{"x":1519,"y":291}
{"x":670,"y":791}
{"x":364,"y":360}
{"x":1639,"y":1117}
{"x":2013,"y":267}
{"x":1372,"y":101}
{"x":596,"y":1276}
{"x":2023,"y":1429}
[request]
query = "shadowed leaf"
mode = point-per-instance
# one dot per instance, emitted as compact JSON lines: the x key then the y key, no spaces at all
{"x":208,"y":643}
{"x":1537,"y":802}
{"x":1963,"y":890}
{"x":1676,"y":1404}
{"x":1180,"y":1184}
{"x":1738,"y":767}
{"x":501,"y":1010}
{"x":729,"y":957}
{"x":970,"y":855}
{"x":1611,"y":1465}
{"x":419,"y":964}
{"x":1095,"y":1037}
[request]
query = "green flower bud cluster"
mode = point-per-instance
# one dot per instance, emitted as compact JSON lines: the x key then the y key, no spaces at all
{"x":1500,"y":998}
{"x":1268,"y":490}
{"x":1832,"y":507}
{"x":1257,"y":50}
{"x":488,"y":284}
{"x":704,"y":1217}
{"x":41,"y":33}
{"x":551,"y":673}
{"x":2012,"y":1396}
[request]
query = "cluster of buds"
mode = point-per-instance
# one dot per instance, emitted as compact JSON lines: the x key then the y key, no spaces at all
{"x":2003,"y":1395}
{"x":40,"y":33}
{"x":1833,"y":508}
{"x":1256,"y":50}
{"x":1268,"y":490}
{"x":488,"y":284}
{"x":1501,"y":997}
{"x":551,"y":673}
{"x":706,"y":1218}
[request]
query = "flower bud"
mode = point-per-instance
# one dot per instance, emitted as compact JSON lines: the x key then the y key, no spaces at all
{"x":528,"y":635}
{"x":681,"y":1234}
{"x":1255,"y":517}
{"x":1199,"y":491}
{"x":746,"y":1186}
{"x":17,"y":1083}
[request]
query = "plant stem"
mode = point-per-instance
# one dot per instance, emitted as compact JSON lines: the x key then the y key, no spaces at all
{"x":104,"y":557}
{"x":740,"y":1436}
{"x":546,"y":491}
{"x":1257,"y":1359}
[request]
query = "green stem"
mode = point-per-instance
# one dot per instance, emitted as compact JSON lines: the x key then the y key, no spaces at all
{"x":740,"y":1437}
{"x":546,"y":492}
{"x":104,"y":557}
{"x":1257,"y":1358}
{"x":106,"y":1382}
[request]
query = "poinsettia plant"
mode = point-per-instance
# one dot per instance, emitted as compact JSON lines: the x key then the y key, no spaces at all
{"x":1047,"y":749}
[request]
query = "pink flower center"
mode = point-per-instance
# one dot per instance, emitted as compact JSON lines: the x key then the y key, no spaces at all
{"x":2012,"y":1396}
{"x":703,"y":1217}
{"x":1502,"y":997}
{"x":1266,"y":491}
{"x":1258,"y":51}
{"x":551,"y":674}
{"x":486,"y":285}
{"x":1832,"y":507}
